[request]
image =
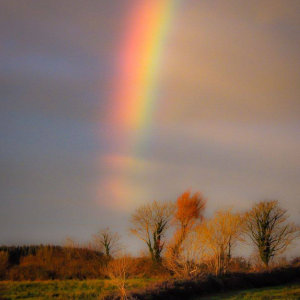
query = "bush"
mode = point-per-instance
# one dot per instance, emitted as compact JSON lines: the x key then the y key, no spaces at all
{"x":296,"y":261}
{"x":51,"y":262}
{"x":30,"y":272}
{"x":185,"y":289}
{"x":143,"y":267}
{"x":239,"y":264}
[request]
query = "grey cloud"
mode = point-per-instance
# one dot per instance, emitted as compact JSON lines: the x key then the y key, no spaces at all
{"x":224,"y":66}
{"x":227,"y":121}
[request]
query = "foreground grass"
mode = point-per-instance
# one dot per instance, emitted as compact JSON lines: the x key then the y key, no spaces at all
{"x":69,"y":289}
{"x":95,"y":289}
{"x":288,"y":292}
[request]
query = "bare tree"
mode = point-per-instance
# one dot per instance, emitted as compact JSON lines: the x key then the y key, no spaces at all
{"x":71,"y":248}
{"x":189,"y":211}
{"x":118,"y":270}
{"x":219,"y":235}
{"x":269,"y":230}
{"x":107,"y":242}
{"x":186,"y":264}
{"x":149,"y":223}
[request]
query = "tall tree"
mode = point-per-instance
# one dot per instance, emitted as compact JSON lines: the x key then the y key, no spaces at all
{"x":149,"y":223}
{"x":269,"y":230}
{"x":189,"y":210}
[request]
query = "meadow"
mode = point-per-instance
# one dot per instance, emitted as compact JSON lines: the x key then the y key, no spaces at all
{"x":96,"y":289}
{"x":67,"y":289}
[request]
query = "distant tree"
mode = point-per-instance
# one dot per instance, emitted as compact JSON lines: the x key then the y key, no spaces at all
{"x":189,"y":210}
{"x":107,"y":242}
{"x":219,"y":236}
{"x":269,"y":230}
{"x":15,"y":253}
{"x":149,"y":223}
{"x":71,"y":248}
{"x":47,"y":255}
{"x":296,"y":261}
{"x":4,"y":262}
{"x":255,"y":261}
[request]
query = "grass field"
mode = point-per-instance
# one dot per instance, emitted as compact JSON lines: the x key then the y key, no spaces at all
{"x":73,"y":289}
{"x":287,"y":292}
{"x":94,"y":289}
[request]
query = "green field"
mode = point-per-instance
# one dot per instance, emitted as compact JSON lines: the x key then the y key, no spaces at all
{"x":72,"y":289}
{"x":94,"y":289}
{"x":287,"y":292}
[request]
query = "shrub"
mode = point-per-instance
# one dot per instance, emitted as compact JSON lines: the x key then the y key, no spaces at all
{"x":296,"y":261}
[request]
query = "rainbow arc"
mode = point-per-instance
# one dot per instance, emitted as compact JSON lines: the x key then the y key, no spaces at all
{"x":136,"y":92}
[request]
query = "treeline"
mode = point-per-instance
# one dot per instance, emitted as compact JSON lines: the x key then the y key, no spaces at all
{"x":71,"y":261}
{"x":15,"y":253}
{"x":49,"y":262}
{"x":211,"y":242}
{"x":195,"y":245}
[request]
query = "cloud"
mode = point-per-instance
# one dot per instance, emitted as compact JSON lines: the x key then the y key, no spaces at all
{"x":57,"y":58}
{"x":224,"y":66}
{"x":226,"y":123}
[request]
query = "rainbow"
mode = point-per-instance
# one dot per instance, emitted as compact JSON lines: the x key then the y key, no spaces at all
{"x":140,"y":60}
{"x":136,"y":91}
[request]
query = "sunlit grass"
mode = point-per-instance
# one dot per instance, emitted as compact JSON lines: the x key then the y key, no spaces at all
{"x":72,"y":289}
{"x":94,"y":289}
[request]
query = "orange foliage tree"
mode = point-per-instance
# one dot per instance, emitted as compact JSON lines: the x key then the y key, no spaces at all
{"x":189,"y":211}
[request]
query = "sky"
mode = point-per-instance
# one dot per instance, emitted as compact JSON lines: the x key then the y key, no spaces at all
{"x":108,"y":105}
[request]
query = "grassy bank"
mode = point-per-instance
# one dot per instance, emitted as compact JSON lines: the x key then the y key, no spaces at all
{"x":69,"y":289}
{"x":209,"y":285}
{"x":259,"y":285}
{"x":290,"y":291}
{"x":94,"y":289}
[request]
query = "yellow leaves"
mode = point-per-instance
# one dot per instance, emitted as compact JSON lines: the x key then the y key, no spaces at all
{"x":187,"y":263}
{"x":225,"y":226}
{"x":219,"y":235}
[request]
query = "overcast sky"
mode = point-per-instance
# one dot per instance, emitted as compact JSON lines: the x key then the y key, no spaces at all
{"x":226,"y":123}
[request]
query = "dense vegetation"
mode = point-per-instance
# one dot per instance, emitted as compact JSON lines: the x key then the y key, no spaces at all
{"x":64,"y":263}
{"x":51,"y":262}
{"x":197,"y":247}
{"x":208,"y":287}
